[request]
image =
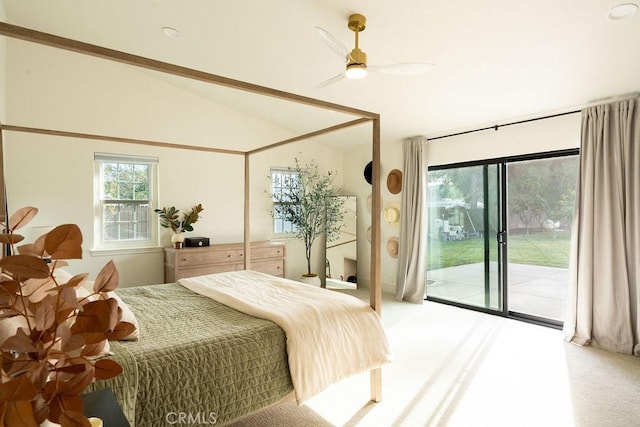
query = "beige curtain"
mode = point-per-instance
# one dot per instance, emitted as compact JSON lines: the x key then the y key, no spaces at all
{"x":602,"y":306}
{"x":412,"y":256}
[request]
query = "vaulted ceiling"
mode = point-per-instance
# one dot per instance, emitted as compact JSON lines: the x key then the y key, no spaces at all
{"x":496,"y":60}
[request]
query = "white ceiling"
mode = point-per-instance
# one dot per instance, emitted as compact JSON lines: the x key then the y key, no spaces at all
{"x":496,"y":60}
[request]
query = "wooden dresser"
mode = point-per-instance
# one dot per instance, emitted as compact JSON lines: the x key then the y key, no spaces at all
{"x":266,"y":257}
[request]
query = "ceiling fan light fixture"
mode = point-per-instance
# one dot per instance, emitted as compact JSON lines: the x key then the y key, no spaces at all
{"x":356,"y":71}
{"x":356,"y":60}
{"x":171,"y":32}
{"x":356,"y":65}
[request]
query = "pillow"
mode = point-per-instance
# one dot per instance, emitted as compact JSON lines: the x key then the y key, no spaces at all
{"x":127,"y":315}
{"x":61,"y":276}
{"x":10,"y":325}
{"x":104,"y":351}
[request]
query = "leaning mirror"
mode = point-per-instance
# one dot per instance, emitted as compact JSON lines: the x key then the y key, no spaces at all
{"x":341,"y":252}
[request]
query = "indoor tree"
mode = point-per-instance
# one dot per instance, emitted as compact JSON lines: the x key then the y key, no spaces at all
{"x":307,"y":199}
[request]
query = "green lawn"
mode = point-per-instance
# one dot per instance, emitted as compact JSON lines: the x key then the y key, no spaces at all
{"x":535,"y":249}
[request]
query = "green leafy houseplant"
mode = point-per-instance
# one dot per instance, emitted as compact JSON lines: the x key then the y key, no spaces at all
{"x":309,"y":202}
{"x":170,"y":218}
{"x":56,"y":346}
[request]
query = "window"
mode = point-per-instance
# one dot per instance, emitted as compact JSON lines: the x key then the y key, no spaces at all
{"x":281,"y":180}
{"x":125,"y":188}
{"x":500,"y":234}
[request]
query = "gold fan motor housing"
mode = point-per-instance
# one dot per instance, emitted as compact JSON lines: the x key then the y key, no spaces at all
{"x":357,"y":57}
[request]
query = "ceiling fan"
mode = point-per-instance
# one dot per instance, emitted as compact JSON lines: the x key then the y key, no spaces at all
{"x":356,"y":60}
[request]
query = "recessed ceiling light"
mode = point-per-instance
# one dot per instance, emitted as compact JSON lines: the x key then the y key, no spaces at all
{"x":171,"y":32}
{"x":621,"y":11}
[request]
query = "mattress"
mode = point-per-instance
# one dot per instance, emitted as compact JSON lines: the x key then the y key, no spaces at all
{"x":330,"y":335}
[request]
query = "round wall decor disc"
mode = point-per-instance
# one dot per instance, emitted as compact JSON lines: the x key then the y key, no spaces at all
{"x":392,"y":247}
{"x":394,"y":181}
{"x":368,"y":172}
{"x":392,"y":214}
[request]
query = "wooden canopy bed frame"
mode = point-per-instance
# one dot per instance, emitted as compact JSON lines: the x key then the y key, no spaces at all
{"x":361,"y":116}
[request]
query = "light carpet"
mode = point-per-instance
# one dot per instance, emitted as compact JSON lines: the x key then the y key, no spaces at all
{"x":456,"y":367}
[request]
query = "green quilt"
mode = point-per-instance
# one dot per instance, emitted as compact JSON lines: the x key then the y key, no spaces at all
{"x":196,"y":360}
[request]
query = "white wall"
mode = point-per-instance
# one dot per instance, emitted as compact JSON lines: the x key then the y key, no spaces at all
{"x":61,"y":91}
{"x":557,"y":133}
{"x":355,"y":161}
{"x":56,"y":175}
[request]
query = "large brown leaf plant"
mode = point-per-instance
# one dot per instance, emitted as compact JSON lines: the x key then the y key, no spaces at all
{"x":58,"y":349}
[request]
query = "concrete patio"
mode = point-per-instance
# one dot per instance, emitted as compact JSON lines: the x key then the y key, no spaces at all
{"x":535,"y":290}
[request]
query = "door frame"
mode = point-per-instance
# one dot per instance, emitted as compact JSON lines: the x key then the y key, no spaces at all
{"x":503,"y":258}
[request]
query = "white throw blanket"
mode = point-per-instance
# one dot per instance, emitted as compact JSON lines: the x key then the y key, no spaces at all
{"x":330,"y":335}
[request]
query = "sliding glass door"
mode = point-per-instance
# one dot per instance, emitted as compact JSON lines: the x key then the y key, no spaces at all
{"x":464,"y":222}
{"x":540,"y":202}
{"x":499,"y":235}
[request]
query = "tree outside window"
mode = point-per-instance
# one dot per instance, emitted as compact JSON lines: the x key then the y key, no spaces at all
{"x":281,"y":181}
{"x":124,"y":211}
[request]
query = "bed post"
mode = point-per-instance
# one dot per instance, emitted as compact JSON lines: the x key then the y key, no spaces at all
{"x":375,"y":297}
{"x":3,"y":197}
{"x":247,"y":217}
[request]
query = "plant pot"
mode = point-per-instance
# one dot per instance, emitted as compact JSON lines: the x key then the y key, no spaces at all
{"x":178,"y":240}
{"x":311,"y":279}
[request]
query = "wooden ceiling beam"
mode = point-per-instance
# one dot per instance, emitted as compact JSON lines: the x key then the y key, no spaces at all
{"x":51,"y":40}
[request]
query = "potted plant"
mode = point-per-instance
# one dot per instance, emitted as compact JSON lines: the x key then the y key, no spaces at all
{"x":308,"y":202}
{"x":54,"y":336}
{"x":170,"y":218}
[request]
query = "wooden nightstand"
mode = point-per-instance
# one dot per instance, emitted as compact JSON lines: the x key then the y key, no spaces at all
{"x":103,"y":404}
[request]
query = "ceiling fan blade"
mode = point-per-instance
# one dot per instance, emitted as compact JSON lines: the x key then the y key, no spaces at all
{"x":331,"y":80}
{"x":334,"y":44}
{"x":402,"y":69}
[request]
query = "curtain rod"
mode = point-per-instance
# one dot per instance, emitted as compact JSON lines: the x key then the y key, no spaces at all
{"x":590,"y":104}
{"x":495,"y":127}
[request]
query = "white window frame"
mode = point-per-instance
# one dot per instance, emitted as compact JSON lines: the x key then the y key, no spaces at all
{"x":286,"y":225}
{"x":99,"y":201}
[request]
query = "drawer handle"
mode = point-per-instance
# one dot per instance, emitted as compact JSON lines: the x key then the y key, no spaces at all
{"x":228,"y":255}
